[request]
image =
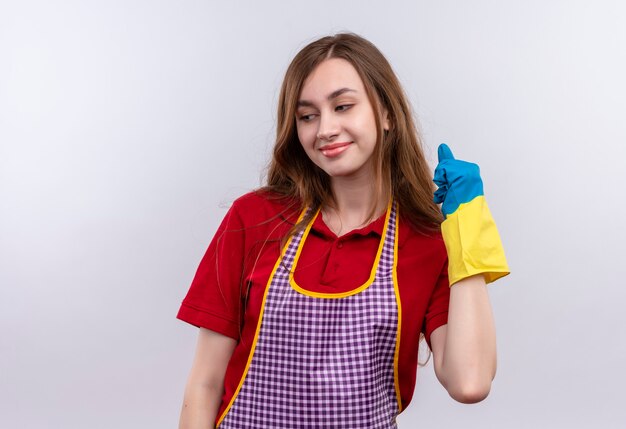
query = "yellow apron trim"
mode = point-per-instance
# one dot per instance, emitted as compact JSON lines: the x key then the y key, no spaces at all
{"x":258,"y":326}
{"x":361,"y":288}
{"x":396,"y":357}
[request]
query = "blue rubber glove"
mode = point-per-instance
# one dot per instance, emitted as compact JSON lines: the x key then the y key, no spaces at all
{"x":458,"y":181}
{"x":469,"y":232}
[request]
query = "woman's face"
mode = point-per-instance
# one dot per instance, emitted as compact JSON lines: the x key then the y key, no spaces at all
{"x":335,"y":120}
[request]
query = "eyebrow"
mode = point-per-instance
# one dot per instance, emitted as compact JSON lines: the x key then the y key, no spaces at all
{"x":334,"y":94}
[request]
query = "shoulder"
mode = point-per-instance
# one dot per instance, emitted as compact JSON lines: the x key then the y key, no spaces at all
{"x":260,"y":206}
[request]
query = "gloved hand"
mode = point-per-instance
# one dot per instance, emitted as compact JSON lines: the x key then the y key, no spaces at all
{"x":469,"y":232}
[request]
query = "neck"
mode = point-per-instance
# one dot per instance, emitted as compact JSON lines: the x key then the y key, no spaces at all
{"x":355,"y":197}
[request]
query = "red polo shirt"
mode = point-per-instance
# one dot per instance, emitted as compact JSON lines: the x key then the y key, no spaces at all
{"x":227,"y":291}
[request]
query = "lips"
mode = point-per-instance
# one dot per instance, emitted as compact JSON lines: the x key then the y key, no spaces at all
{"x":334,"y":149}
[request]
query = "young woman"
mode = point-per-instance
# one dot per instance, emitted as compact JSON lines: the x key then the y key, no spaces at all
{"x":314,"y":293}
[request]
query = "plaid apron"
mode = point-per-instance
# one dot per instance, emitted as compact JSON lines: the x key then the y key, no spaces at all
{"x":323,"y":360}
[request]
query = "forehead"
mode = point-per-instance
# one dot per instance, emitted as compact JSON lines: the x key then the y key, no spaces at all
{"x":330,"y":75}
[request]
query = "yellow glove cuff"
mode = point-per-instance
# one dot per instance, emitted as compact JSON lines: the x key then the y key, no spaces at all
{"x":473,"y":243}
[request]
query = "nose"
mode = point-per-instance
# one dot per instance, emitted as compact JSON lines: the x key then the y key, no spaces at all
{"x":329,"y":127}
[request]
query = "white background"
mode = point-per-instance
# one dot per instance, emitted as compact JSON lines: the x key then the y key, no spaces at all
{"x":128,"y":127}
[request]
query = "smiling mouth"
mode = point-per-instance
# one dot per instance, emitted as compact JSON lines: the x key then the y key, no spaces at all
{"x":334,"y":149}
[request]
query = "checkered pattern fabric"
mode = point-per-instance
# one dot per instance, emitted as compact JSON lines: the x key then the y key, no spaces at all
{"x":323,"y":362}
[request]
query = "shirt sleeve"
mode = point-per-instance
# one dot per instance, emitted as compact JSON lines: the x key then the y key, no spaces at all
{"x":437,"y":311}
{"x":213,"y":299}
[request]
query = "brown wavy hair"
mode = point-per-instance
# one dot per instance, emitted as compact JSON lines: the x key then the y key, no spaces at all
{"x":401,"y":171}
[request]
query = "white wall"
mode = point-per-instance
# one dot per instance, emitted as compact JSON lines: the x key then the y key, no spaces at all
{"x":127,"y":127}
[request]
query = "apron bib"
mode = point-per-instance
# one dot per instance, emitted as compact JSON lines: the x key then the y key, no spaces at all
{"x":323,"y":360}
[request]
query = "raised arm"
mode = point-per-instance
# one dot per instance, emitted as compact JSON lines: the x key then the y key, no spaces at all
{"x":464,"y":350}
{"x":205,"y":385}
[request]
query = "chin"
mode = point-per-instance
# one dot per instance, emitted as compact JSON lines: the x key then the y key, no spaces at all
{"x":340,"y":173}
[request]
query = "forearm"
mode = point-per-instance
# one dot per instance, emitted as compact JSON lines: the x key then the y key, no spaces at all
{"x":200,"y":407}
{"x":468,"y":363}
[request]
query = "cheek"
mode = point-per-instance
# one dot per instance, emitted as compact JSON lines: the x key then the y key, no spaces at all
{"x":364,"y":123}
{"x":365,"y":131}
{"x":306,"y":135}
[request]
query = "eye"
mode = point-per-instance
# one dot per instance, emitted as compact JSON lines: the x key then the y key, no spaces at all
{"x":306,"y":118}
{"x":343,"y":107}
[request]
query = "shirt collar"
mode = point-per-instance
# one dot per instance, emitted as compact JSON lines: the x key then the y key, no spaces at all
{"x":375,"y":227}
